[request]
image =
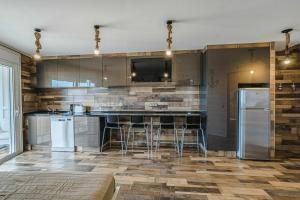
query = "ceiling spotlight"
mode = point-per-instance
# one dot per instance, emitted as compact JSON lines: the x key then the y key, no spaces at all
{"x":97,"y":39}
{"x":251,"y":71}
{"x":169,"y":39}
{"x":287,"y":43}
{"x":37,"y":35}
{"x":166,"y":75}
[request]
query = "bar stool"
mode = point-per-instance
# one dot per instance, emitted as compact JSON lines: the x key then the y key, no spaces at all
{"x":194,"y":123}
{"x":113,"y":122}
{"x":137,"y":124}
{"x":167,"y":123}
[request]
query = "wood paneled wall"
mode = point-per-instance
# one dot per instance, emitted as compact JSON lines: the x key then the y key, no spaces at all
{"x":29,"y":95}
{"x":288,"y":104}
{"x":28,"y":76}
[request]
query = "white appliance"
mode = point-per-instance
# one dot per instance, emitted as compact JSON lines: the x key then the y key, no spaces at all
{"x":62,"y":133}
{"x":254,"y":124}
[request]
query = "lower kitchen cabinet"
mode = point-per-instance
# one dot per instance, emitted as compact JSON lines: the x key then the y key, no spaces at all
{"x":39,"y":130}
{"x":87,"y":131}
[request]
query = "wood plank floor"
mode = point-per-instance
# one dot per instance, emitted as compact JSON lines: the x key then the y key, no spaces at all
{"x":168,"y":177}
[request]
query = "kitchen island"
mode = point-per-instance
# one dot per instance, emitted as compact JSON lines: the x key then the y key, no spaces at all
{"x":89,"y":126}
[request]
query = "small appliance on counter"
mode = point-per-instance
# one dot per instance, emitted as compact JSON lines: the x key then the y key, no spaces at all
{"x":77,"y":109}
{"x":254,"y":124}
{"x":62,"y":133}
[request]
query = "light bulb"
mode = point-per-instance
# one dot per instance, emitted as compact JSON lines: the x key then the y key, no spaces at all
{"x":96,"y":51}
{"x":168,"y":52}
{"x":133,"y":74}
{"x":105,"y":78}
{"x":166,"y":75}
{"x":287,"y":61}
{"x":37,"y":56}
{"x":252,"y":72}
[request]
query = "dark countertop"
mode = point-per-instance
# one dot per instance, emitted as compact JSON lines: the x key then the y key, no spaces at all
{"x":124,"y":113}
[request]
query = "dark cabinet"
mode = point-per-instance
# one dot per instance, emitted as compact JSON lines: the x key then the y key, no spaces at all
{"x":114,"y":71}
{"x":90,"y":73}
{"x":47,"y":74}
{"x":187,"y":68}
{"x":68,"y":73}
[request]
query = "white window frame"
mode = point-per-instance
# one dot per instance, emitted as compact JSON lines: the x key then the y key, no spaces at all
{"x":12,"y":59}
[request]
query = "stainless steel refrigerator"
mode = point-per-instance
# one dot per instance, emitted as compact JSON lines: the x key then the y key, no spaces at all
{"x":254,"y":124}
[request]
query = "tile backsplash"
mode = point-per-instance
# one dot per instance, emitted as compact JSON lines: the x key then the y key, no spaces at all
{"x":172,"y":98}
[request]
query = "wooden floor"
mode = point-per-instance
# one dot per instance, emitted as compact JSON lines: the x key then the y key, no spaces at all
{"x":168,"y":177}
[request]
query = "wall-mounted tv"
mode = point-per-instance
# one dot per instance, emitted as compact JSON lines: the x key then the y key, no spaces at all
{"x":151,"y":70}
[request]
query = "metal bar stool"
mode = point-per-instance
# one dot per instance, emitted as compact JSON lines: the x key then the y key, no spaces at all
{"x":113,"y":122}
{"x":168,"y":123}
{"x":137,"y":123}
{"x":194,"y":123}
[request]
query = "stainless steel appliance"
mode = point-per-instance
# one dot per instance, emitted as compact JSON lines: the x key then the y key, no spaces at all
{"x":62,"y":133}
{"x":254,"y":124}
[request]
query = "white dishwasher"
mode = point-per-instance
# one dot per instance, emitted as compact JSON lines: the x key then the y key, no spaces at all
{"x":62,"y":133}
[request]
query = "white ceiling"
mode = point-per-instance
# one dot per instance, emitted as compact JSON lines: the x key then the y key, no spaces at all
{"x":139,"y":25}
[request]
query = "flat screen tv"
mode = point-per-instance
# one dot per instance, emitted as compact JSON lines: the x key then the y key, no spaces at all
{"x":151,"y":70}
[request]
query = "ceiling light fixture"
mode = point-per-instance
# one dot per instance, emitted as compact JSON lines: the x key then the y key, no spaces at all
{"x":97,"y":39}
{"x":252,"y":61}
{"x":169,"y":39}
{"x":287,"y":43}
{"x":166,"y":74}
{"x":37,"y":35}
{"x":133,"y":73}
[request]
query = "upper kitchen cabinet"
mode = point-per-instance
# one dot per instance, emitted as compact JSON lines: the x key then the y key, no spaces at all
{"x":90,"y":74}
{"x":68,"y":73}
{"x":114,"y":71}
{"x":47,"y":74}
{"x":187,"y":68}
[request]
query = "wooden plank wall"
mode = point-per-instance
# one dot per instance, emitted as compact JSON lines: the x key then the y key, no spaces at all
{"x":288,"y":105}
{"x":28,"y":73}
{"x":29,"y":95}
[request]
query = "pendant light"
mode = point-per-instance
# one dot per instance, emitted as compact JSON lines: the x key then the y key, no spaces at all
{"x":287,"y":42}
{"x":97,"y":39}
{"x":169,"y":39}
{"x":37,"y":35}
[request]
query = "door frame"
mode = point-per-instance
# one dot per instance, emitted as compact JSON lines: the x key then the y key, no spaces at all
{"x":12,"y":59}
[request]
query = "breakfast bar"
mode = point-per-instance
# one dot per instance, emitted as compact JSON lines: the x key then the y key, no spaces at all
{"x":152,"y":120}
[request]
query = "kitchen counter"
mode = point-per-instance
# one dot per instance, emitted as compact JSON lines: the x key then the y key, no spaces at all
{"x":125,"y":113}
{"x":90,"y":126}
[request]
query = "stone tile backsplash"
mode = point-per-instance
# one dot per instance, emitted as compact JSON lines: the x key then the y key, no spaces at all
{"x":174,"y":98}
